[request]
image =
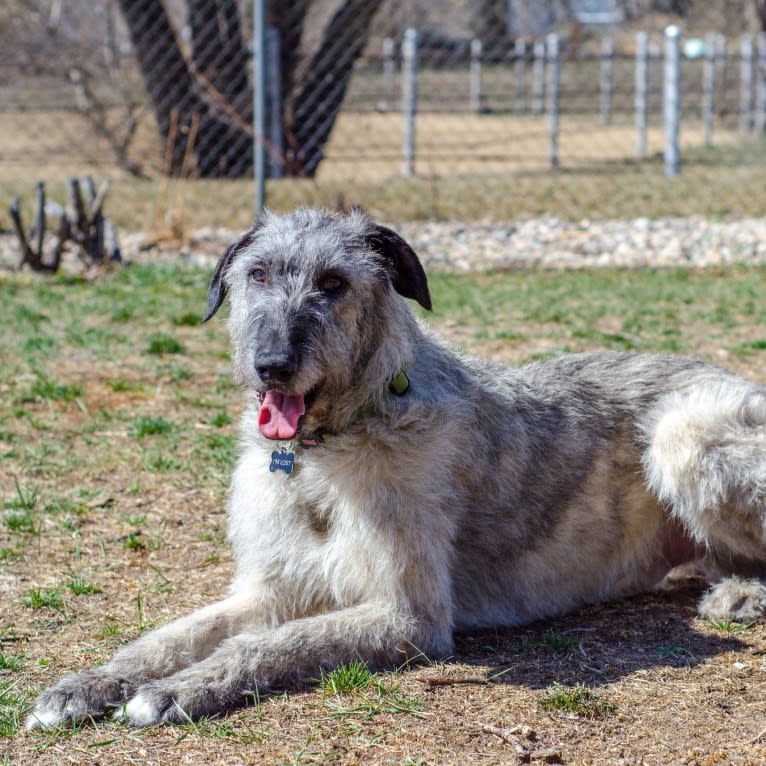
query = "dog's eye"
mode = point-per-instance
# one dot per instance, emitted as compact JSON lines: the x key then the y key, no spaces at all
{"x":331,"y":283}
{"x":258,"y":274}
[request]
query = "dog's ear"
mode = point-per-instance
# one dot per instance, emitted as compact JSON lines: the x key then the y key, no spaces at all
{"x":407,"y":275}
{"x":217,"y":290}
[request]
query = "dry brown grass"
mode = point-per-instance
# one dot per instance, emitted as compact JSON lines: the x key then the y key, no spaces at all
{"x":489,"y":166}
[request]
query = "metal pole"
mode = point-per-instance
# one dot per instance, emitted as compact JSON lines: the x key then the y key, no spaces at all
{"x":519,"y":68}
{"x":259,"y":103}
{"x":607,"y":79}
{"x":389,"y":66}
{"x":409,"y":98}
{"x":554,"y":77}
{"x":538,"y":76}
{"x":672,"y":99}
{"x":642,"y":80}
{"x":708,"y":87}
{"x":475,"y":77}
{"x":746,"y":84}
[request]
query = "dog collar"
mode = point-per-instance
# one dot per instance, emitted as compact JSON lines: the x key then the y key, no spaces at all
{"x":398,"y":386}
{"x":283,"y":458}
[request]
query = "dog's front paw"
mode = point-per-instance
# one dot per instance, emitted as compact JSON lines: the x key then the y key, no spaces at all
{"x":169,"y":700}
{"x":77,"y":697}
{"x":735,"y":598}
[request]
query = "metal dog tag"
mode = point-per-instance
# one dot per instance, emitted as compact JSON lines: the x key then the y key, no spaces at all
{"x":284,"y":460}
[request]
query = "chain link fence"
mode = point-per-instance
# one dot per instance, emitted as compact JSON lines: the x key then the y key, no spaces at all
{"x":369,"y":98}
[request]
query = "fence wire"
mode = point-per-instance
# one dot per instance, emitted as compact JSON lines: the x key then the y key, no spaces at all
{"x":369,"y":91}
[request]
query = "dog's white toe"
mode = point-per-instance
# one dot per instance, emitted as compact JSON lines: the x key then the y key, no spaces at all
{"x":43,"y":719}
{"x":735,"y":598}
{"x":139,"y":712}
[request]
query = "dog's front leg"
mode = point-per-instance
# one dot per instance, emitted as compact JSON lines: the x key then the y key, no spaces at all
{"x":286,"y":656}
{"x":157,"y":654}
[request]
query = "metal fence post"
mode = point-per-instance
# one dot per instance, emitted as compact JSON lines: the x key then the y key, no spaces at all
{"x":409,"y":98}
{"x":259,"y":103}
{"x":759,"y":119}
{"x":672,"y":99}
{"x":708,"y":87}
{"x":475,"y":77}
{"x":641,"y":89}
{"x":554,"y":78}
{"x":746,"y":84}
{"x":520,"y":73}
{"x":607,"y":79}
{"x":538,"y":76}
{"x":389,"y":68}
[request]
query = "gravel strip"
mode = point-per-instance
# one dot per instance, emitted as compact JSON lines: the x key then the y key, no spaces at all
{"x":548,"y":243}
{"x":551,"y":243}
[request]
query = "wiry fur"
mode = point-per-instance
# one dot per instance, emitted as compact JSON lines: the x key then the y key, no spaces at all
{"x":481,"y":496}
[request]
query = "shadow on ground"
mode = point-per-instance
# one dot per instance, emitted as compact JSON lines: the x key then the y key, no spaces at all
{"x":602,"y":643}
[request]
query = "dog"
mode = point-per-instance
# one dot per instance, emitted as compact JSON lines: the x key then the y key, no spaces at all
{"x":391,"y":491}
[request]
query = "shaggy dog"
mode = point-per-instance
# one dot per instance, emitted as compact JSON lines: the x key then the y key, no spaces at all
{"x":391,"y":491}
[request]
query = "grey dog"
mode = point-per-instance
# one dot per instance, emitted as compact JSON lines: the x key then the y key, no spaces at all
{"x":391,"y":491}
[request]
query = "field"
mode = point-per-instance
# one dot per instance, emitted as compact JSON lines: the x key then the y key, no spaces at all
{"x":117,"y":436}
{"x":492,"y":165}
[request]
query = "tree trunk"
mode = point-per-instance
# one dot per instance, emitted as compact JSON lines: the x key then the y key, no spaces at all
{"x":199,"y":137}
{"x":491,"y":25}
{"x":217,"y":50}
{"x":202,"y":107}
{"x":326,"y":78}
{"x":288,"y":17}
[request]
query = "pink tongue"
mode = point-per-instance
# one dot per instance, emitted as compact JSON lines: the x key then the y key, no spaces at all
{"x":280,"y":415}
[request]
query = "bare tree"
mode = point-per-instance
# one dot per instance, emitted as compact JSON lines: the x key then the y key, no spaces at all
{"x":760,"y":13}
{"x":202,"y":105}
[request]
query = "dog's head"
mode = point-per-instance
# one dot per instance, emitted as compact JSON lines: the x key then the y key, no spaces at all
{"x":316,"y":313}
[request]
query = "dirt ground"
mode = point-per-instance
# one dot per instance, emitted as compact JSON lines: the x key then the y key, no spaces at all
{"x":114,"y":509}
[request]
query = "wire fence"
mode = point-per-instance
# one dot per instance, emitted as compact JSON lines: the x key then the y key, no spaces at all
{"x":369,"y":91}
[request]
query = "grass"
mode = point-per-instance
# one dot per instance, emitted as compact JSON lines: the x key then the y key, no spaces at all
{"x":345,"y":679}
{"x":163,"y":343}
{"x":577,"y":700}
{"x":24,"y":499}
{"x":9,"y":662}
{"x":151,"y":425}
{"x":730,"y":626}
{"x":352,"y":691}
{"x":82,"y":587}
{"x":470,"y":167}
{"x":52,"y":391}
{"x":11,"y":705}
{"x":121,"y":492}
{"x":43,"y":598}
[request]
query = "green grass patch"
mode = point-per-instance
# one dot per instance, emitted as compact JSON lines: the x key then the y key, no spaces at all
{"x":220,"y":419}
{"x":9,"y":661}
{"x":578,"y":700}
{"x":133,"y":541}
{"x":162,"y":343}
{"x":151,"y":425}
{"x":344,"y":679}
{"x":82,"y":587}
{"x":11,"y":706}
{"x":187,"y":319}
{"x":43,"y":598}
{"x":559,"y":643}
{"x":53,"y":391}
{"x":730,"y":626}
{"x":20,"y":522}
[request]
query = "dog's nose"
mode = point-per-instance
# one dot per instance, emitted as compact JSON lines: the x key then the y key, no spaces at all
{"x":275,"y":368}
